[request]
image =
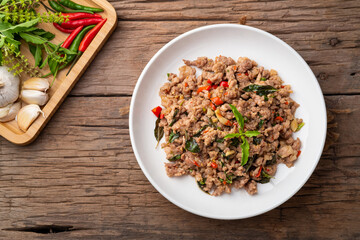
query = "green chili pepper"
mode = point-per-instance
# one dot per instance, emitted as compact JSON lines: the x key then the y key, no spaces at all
{"x":57,"y":7}
{"x":76,"y":43}
{"x":72,"y":5}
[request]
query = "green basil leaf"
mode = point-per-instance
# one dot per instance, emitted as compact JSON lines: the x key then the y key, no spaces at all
{"x":257,"y":141}
{"x":38,"y":55}
{"x":67,"y":51}
{"x":21,"y":27}
{"x":192,"y":146}
{"x":200,"y":131}
{"x":32,"y":38}
{"x":272,"y":161}
{"x":1,"y":58}
{"x":2,"y":42}
{"x":251,"y":133}
{"x":53,"y":65}
{"x":261,"y":123}
{"x":158,"y":131}
{"x":244,"y":151}
{"x":41,"y":32}
{"x":174,"y":158}
{"x":201,"y":184}
{"x":175,"y":119}
{"x":220,"y":140}
{"x":261,"y":90}
{"x":235,"y":142}
{"x":173,"y":136}
{"x":44,"y":62}
{"x":249,"y":164}
{"x":232,"y":135}
{"x":238,"y":116}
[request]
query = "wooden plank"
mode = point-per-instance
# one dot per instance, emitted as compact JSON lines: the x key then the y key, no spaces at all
{"x":81,"y":172}
{"x":332,"y":54}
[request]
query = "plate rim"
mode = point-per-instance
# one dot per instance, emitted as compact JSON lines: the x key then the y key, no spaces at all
{"x":135,"y":92}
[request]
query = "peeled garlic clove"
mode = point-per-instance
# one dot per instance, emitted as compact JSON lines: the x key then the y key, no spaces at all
{"x":40,"y":84}
{"x":34,"y":97}
{"x":12,"y":110}
{"x":27,"y":115}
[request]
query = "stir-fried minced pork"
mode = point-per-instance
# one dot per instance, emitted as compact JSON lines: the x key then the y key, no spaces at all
{"x":197,"y":116}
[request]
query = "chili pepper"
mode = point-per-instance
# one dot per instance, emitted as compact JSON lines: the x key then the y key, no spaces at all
{"x":246,"y":74}
{"x":200,"y":89}
{"x":81,"y":22}
{"x":212,"y":106}
{"x":64,"y":30}
{"x":279,"y":118}
{"x":157,"y":111}
{"x":71,"y":37}
{"x":186,"y":84}
{"x":224,"y":84}
{"x":287,"y":103}
{"x":162,"y":116}
{"x":214,"y":86}
{"x":80,"y":15}
{"x":214,"y":165}
{"x":72,"y":5}
{"x":258,"y":174}
{"x":282,"y":86}
{"x":57,"y":7}
{"x":208,"y":81}
{"x":217,"y":101}
{"x":298,"y":153}
{"x":86,"y":41}
{"x":196,"y":163}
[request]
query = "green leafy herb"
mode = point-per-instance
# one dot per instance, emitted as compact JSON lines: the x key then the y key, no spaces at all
{"x":261,"y":123}
{"x":220,"y":140}
{"x":173,"y":136}
{"x":201,"y":184}
{"x":261,"y":90}
{"x":200,"y":131}
{"x":257,"y":141}
{"x":175,"y":119}
{"x":245,"y":147}
{"x":272,"y":161}
{"x":235,"y":142}
{"x":158,"y":132}
{"x":38,"y":55}
{"x":249,"y":164}
{"x":174,"y":158}
{"x":212,"y":124}
{"x":300,"y":126}
{"x":192,"y":146}
{"x":263,"y":79}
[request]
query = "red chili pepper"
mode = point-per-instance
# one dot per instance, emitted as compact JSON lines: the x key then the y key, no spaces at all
{"x":217,"y":100}
{"x":214,"y":165}
{"x":157,"y":111}
{"x":298,"y":154}
{"x":87,"y":40}
{"x":282,"y":86}
{"x":224,"y":182}
{"x":200,"y":89}
{"x":161,"y":116}
{"x":214,"y":86}
{"x":212,"y":106}
{"x":287,"y":103}
{"x":186,"y":84}
{"x":81,"y":22}
{"x":279,"y":118}
{"x":71,"y":37}
{"x":246,"y":74}
{"x":80,"y":15}
{"x":64,"y":30}
{"x":258,"y":174}
{"x":224,"y":84}
{"x":208,"y":81}
{"x":196,"y":163}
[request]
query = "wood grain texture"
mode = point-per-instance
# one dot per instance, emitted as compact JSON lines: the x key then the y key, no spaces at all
{"x":81,"y":175}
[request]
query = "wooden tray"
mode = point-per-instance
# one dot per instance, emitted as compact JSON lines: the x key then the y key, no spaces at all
{"x":63,"y":84}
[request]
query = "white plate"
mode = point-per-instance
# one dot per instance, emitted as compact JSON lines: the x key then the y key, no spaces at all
{"x":232,"y":41}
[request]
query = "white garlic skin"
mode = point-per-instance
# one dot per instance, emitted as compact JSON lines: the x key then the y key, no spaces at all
{"x":11,"y":112}
{"x":34,"y":97}
{"x":27,"y":115}
{"x":39,"y":84}
{"x":9,"y":87}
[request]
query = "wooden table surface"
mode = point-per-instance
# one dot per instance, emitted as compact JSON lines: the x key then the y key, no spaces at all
{"x":80,"y":178}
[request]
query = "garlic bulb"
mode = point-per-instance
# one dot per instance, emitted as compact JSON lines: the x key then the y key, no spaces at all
{"x":9,"y":112}
{"x":27,"y":115}
{"x":34,"y":97}
{"x":39,"y":84}
{"x":9,"y":87}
